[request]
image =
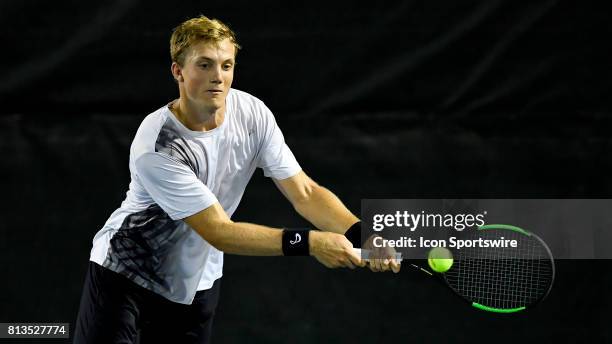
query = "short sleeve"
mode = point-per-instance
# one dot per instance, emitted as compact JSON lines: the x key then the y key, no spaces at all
{"x":275,"y":158}
{"x":172,"y":185}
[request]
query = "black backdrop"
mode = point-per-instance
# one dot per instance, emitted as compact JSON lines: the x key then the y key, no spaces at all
{"x":411,"y":99}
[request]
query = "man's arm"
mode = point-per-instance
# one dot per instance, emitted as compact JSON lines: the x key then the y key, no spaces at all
{"x":213,"y":224}
{"x":323,"y":209}
{"x":316,"y":204}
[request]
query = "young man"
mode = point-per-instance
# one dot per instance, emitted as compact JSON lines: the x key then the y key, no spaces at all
{"x":156,"y":264}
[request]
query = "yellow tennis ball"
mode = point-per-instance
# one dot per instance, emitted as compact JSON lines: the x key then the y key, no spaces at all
{"x":440,"y":259}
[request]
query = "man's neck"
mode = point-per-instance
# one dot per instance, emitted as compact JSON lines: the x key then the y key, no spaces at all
{"x":197,"y":119}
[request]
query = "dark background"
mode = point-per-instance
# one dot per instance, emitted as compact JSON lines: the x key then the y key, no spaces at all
{"x":389,"y":99}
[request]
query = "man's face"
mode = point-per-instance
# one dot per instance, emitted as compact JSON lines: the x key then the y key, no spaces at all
{"x":207,"y":73}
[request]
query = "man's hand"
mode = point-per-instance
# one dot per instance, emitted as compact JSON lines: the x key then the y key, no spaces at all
{"x":385,"y":257}
{"x":333,"y":250}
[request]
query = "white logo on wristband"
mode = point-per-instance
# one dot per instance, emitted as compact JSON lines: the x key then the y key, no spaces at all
{"x":298,"y":238}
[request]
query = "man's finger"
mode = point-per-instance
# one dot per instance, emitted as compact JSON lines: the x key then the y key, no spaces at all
{"x":378,"y":264}
{"x":385,"y":264}
{"x":355,"y":259}
{"x":347,"y":263}
{"x":372,"y":265}
{"x":395,"y":265}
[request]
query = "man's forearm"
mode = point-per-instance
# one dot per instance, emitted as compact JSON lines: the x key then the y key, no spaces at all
{"x":243,"y":238}
{"x":325,"y":210}
{"x":254,"y":240}
{"x":247,"y":239}
{"x":215,"y":226}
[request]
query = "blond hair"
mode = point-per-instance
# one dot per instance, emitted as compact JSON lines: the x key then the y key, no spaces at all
{"x":195,"y":30}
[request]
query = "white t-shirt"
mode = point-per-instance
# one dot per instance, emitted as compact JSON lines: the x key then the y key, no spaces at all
{"x":177,"y":172}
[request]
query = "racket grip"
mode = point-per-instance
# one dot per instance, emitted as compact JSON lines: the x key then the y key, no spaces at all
{"x":365,"y":254}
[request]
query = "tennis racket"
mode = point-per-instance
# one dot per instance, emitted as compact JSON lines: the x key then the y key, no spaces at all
{"x":498,"y":280}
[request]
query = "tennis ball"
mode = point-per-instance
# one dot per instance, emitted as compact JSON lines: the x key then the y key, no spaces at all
{"x":440,"y":259}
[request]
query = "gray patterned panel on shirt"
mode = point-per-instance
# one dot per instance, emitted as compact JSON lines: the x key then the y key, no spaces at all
{"x":139,"y":247}
{"x":170,"y":142}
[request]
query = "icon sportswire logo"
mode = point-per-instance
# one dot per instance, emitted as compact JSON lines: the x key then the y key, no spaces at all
{"x":298,"y":238}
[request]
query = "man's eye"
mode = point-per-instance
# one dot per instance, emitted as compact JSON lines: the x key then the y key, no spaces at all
{"x":227,"y":67}
{"x":204,"y":65}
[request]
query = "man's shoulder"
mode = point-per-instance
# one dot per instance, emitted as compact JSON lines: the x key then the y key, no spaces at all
{"x":152,"y":123}
{"x":148,"y":131}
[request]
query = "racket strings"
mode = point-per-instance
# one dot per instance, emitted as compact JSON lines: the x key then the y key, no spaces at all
{"x":502,"y":277}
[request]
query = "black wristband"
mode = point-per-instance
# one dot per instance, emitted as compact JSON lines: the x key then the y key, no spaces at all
{"x":353,"y":234}
{"x":295,"y":242}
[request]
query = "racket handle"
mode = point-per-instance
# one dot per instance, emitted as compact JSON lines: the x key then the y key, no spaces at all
{"x":365,"y":254}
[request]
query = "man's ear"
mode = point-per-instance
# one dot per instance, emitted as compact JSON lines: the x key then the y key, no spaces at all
{"x":176,"y":72}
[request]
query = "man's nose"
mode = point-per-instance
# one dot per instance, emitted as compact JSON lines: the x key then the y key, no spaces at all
{"x":216,"y":75}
